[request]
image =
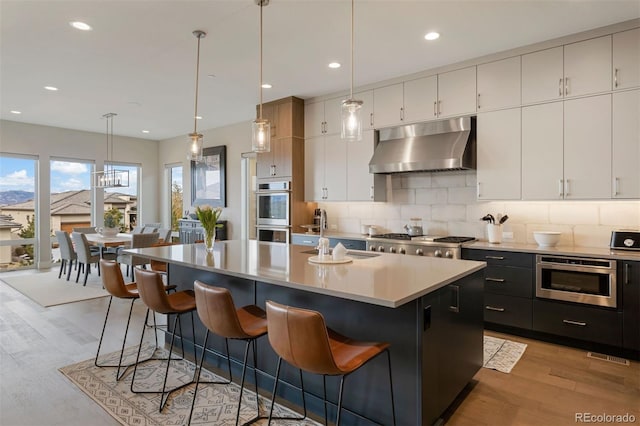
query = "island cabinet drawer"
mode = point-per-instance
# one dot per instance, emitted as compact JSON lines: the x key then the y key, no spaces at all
{"x":305,"y":240}
{"x":497,"y":257}
{"x":578,"y":322}
{"x":508,"y":310}
{"x":348,"y":244}
{"x":509,"y":281}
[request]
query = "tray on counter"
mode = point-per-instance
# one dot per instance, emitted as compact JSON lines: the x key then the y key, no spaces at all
{"x":316,"y":259}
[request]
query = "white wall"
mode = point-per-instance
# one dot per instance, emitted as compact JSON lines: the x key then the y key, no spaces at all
{"x":447,"y":204}
{"x":52,"y":142}
{"x":237,"y":138}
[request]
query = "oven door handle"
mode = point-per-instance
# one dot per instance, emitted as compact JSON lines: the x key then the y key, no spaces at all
{"x":578,"y":323}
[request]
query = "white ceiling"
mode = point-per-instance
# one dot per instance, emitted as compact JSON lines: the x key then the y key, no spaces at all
{"x":139,"y":59}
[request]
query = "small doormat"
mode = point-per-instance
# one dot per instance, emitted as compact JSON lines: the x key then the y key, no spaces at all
{"x":46,"y":289}
{"x":215,"y":404}
{"x":501,"y":354}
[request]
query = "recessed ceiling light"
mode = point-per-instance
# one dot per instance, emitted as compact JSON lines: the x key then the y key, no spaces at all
{"x":145,"y":131}
{"x":266,"y":86}
{"x":432,"y":36}
{"x":198,"y":117}
{"x":334,"y":65}
{"x":53,"y":89}
{"x":80,"y":26}
{"x":15,"y":112}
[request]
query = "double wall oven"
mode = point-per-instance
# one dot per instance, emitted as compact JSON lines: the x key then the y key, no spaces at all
{"x":273,"y":209}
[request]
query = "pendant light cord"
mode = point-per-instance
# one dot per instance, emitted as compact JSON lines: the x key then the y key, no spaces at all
{"x":195,"y":113}
{"x":351,"y":90}
{"x":261,"y":60}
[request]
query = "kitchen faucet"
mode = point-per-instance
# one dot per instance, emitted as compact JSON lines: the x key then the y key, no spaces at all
{"x":323,"y":222}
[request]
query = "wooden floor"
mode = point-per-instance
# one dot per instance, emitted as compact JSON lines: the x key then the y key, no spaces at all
{"x":548,"y":386}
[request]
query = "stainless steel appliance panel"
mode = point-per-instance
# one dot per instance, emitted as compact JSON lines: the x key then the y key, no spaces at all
{"x":273,"y":204}
{"x":273,"y":234}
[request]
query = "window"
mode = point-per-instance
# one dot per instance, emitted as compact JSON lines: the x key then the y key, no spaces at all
{"x":175,"y":194}
{"x":125,"y":199}
{"x":18,"y":224}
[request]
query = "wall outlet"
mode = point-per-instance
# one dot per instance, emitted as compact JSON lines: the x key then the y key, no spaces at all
{"x":333,"y":227}
{"x":507,"y":235}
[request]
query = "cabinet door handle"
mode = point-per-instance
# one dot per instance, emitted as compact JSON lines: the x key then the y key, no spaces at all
{"x":307,"y":241}
{"x":478,"y":190}
{"x":478,"y":100}
{"x":495,"y":280}
{"x":560,"y":185}
{"x":494,"y":257}
{"x":616,"y":186}
{"x":566,"y":86}
{"x":439,"y":109}
{"x":492,"y":308}
{"x":627,"y":268}
{"x":615,"y":77}
{"x":566,"y":187}
{"x":560,"y":88}
{"x":578,"y":323}
{"x":371,"y":119}
{"x":371,"y":192}
{"x":455,"y":297}
{"x":435,"y":111}
{"x":401,"y":114}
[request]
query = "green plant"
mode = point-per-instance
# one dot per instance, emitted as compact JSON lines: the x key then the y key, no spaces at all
{"x":112,"y":218}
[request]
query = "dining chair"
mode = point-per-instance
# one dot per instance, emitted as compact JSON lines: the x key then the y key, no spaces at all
{"x":85,"y":256}
{"x":137,"y":241}
{"x":67,"y":253}
{"x":165,"y":234}
{"x":137,"y":229}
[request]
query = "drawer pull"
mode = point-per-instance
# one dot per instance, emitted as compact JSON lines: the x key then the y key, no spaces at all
{"x":491,"y":308}
{"x":495,"y":280}
{"x":494,"y":257}
{"x":307,"y":241}
{"x":580,"y":323}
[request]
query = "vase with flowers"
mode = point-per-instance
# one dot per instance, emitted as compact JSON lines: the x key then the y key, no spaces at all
{"x":208,"y":217}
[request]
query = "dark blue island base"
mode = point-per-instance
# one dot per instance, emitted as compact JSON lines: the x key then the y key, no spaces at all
{"x":436,"y":347}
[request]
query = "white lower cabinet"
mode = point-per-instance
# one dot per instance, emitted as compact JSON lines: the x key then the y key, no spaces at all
{"x":542,"y":153}
{"x":587,"y":148}
{"x":498,"y":141}
{"x":359,"y":180}
{"x":325,"y":168}
{"x":626,"y":145}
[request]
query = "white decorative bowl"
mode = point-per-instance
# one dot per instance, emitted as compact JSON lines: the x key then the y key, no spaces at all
{"x":547,"y":238}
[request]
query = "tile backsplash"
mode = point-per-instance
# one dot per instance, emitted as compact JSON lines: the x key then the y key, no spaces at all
{"x":446,"y":203}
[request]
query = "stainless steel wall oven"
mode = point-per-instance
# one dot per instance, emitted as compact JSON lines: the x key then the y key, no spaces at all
{"x":273,"y":203}
{"x":577,"y":279}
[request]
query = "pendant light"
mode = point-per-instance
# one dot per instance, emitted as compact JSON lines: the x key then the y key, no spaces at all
{"x":194,"y":146}
{"x":351,"y":108}
{"x":109,"y":177}
{"x":261,"y":128}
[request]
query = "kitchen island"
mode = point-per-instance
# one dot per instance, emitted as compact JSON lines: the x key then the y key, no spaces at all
{"x":429,"y":309}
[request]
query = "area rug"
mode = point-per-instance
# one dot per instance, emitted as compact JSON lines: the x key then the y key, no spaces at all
{"x":46,"y":289}
{"x":215,"y":404}
{"x":501,"y":354}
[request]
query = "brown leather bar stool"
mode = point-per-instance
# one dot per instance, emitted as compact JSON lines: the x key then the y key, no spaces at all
{"x":113,"y":282}
{"x":301,"y":337}
{"x":218,"y":313}
{"x":151,"y":290}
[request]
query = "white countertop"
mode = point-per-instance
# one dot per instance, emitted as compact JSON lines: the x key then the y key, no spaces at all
{"x":605,"y":253}
{"x":388,"y":279}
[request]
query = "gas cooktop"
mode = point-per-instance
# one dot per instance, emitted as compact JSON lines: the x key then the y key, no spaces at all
{"x":424,"y":238}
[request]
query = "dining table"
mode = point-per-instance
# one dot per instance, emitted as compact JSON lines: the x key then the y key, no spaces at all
{"x":119,"y":240}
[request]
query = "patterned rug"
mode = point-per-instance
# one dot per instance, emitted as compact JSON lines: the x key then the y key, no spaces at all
{"x":501,"y":354}
{"x":215,"y":404}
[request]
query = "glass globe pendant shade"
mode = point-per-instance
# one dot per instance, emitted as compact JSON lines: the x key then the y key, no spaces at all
{"x":261,"y":136}
{"x":351,"y":120}
{"x":194,"y":147}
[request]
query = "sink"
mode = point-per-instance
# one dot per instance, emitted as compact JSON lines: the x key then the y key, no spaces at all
{"x":354,"y":254}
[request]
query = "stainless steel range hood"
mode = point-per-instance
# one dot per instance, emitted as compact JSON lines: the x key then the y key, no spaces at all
{"x":431,"y":146}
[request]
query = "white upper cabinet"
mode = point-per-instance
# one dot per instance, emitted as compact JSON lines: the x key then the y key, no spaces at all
{"x":573,"y":70}
{"x":388,"y":105}
{"x":457,"y":92}
{"x":325,"y":172}
{"x":367,"y":108}
{"x":499,"y":151}
{"x":542,"y":75}
{"x":322,"y":117}
{"x":626,"y":59}
{"x":587,"y":148}
{"x":499,"y":84}
{"x":587,"y":67}
{"x":420,"y":99}
{"x":542,"y":152}
{"x":626,"y":144}
{"x":359,"y":180}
